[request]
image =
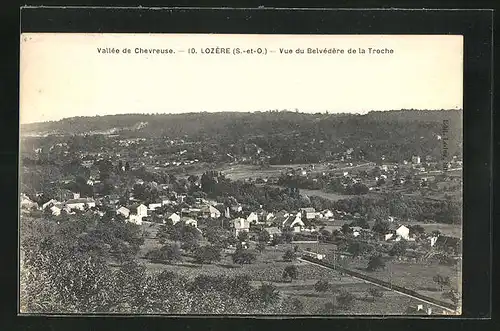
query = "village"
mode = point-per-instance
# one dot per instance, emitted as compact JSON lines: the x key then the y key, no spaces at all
{"x":349,"y":239}
{"x":306,"y":222}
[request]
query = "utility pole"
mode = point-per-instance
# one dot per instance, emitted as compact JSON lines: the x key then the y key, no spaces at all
{"x":334,"y":259}
{"x":317,"y":244}
{"x":390,"y":276}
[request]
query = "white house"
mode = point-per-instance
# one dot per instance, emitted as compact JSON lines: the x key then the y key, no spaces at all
{"x":80,"y":203}
{"x":388,"y":236}
{"x":153,"y":206}
{"x":403,"y":232}
{"x":136,"y":219}
{"x":252,"y":218}
{"x":139,"y":210}
{"x":124,"y":211}
{"x":294,"y":222}
{"x":269,"y":216}
{"x":308,"y":213}
{"x":240,"y":225}
{"x":214,"y":212}
{"x":27,"y":202}
{"x":190,"y":221}
{"x":175,"y":218}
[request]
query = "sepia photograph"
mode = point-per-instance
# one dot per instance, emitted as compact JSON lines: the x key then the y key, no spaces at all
{"x":240,"y":174}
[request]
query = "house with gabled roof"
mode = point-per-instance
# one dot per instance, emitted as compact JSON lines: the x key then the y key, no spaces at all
{"x":174,"y":217}
{"x":293,"y":221}
{"x":210,"y":211}
{"x":252,"y":217}
{"x":124,"y":211}
{"x":49,"y":203}
{"x":139,"y":209}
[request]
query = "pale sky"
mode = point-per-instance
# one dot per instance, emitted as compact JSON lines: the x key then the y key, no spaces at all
{"x":63,"y":75}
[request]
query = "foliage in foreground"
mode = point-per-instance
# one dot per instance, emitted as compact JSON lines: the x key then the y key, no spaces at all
{"x":57,"y":276}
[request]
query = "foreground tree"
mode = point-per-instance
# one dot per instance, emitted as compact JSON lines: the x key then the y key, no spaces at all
{"x":167,"y":253}
{"x":242,"y":256}
{"x":207,"y":254}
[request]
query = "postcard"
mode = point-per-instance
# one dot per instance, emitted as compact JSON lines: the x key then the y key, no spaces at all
{"x":239,"y":174}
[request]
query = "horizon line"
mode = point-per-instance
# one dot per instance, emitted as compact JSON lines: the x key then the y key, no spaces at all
{"x":324,"y":112}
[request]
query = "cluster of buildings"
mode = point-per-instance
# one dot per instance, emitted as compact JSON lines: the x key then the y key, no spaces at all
{"x":56,"y":207}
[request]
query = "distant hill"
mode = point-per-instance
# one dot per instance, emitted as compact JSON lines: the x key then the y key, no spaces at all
{"x":289,"y":137}
{"x":194,"y":123}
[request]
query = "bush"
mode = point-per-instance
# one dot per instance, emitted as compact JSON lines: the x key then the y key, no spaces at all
{"x":291,"y":272}
{"x":242,"y":256}
{"x":346,"y":229}
{"x":263,"y":236}
{"x":399,"y":248}
{"x":167,"y":253}
{"x":207,"y":254}
{"x":268,"y":294}
{"x":376,"y":262}
{"x":289,"y":255}
{"x":322,"y":286}
{"x":451,"y":295}
{"x":441,"y":281}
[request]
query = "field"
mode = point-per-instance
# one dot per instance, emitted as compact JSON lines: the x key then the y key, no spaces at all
{"x":326,"y":195}
{"x":414,"y":276}
{"x":269,"y":268}
{"x":244,"y":171}
{"x":453,"y":230}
